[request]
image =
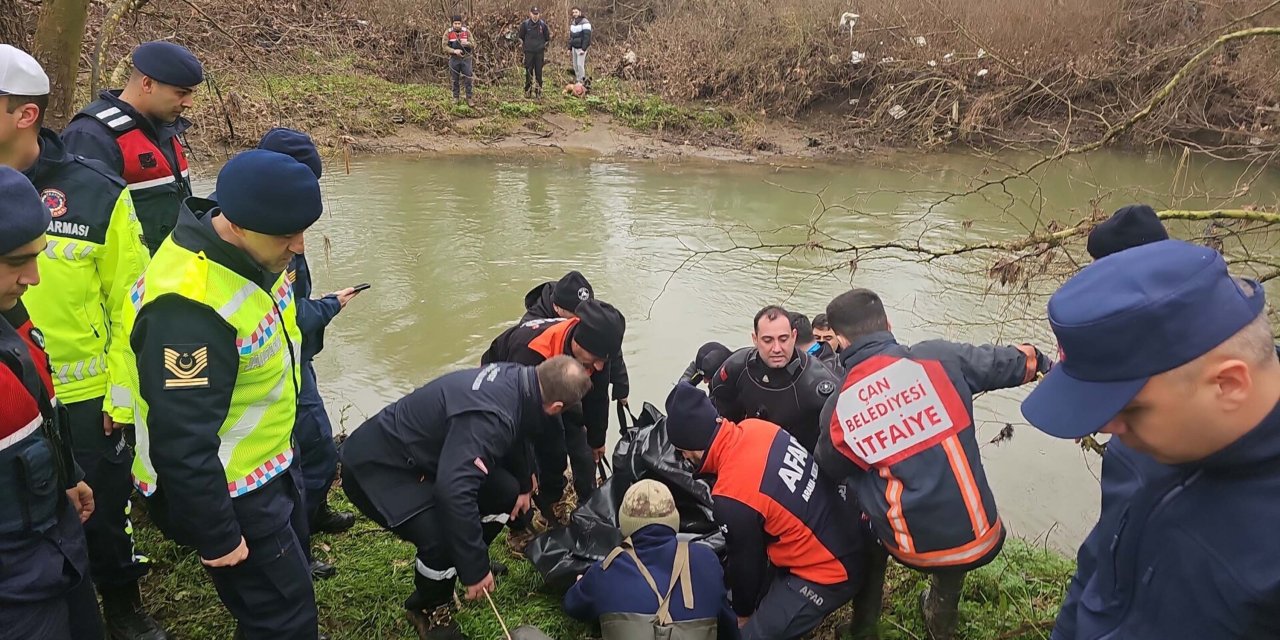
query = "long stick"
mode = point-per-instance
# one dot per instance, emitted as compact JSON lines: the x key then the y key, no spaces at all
{"x":499,"y":615}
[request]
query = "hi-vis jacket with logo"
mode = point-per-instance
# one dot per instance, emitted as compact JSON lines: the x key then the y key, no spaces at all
{"x":217,"y":356}
{"x":775,"y":509}
{"x":149,"y":156}
{"x":901,"y":431}
{"x":95,"y":254}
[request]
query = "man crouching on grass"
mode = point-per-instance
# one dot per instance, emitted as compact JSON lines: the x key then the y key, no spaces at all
{"x":446,"y":466}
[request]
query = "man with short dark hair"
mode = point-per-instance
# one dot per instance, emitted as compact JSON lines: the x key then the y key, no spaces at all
{"x":460,"y":48}
{"x":807,"y":341}
{"x":794,"y":551}
{"x":579,"y":41}
{"x":904,"y":418}
{"x":94,"y":256}
{"x":822,"y":329}
{"x":1174,"y":358}
{"x":431,"y":467}
{"x":773,"y":380}
{"x":136,"y":132}
{"x":534,"y":36}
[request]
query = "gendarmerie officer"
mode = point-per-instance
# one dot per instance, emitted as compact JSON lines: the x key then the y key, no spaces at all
{"x":433,"y":468}
{"x":136,"y":130}
{"x":45,"y":591}
{"x":591,"y":338}
{"x":213,"y":326}
{"x":94,"y":255}
{"x":773,"y":380}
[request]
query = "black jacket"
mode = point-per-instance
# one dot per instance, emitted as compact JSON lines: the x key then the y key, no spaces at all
{"x":184,"y":426}
{"x":534,"y":35}
{"x":127,"y":141}
{"x":520,"y":344}
{"x":791,"y":397}
{"x":538,"y":304}
{"x":580,"y":33}
{"x":435,"y":446}
{"x":89,"y":184}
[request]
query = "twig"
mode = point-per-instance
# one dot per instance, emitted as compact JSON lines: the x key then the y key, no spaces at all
{"x":495,"y":612}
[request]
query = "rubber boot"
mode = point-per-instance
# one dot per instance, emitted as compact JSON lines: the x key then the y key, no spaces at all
{"x":939,"y":605}
{"x":123,"y":615}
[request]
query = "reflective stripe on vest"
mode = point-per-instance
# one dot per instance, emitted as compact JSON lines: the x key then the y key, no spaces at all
{"x":255,"y":435}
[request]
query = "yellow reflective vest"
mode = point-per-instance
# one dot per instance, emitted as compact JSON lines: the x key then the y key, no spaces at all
{"x":94,"y":255}
{"x":255,"y":436}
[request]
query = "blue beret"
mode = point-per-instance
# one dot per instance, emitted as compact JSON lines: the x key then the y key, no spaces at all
{"x":293,"y":143}
{"x":23,"y":216}
{"x":269,"y":193}
{"x":168,"y":63}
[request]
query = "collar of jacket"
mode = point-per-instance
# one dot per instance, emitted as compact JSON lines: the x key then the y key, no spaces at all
{"x":177,"y":127}
{"x":795,"y":366}
{"x":53,"y":155}
{"x":1255,"y":451}
{"x":723,"y":445}
{"x":652,"y":535}
{"x":194,"y":232}
{"x":865,"y":347}
{"x":538,"y":301}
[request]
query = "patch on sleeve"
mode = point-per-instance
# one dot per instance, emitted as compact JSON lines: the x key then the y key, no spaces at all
{"x":185,"y":366}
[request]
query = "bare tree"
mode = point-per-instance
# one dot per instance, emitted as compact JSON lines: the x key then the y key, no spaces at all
{"x":59,"y":33}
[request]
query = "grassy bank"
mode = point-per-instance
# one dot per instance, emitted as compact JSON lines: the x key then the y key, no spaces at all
{"x":1014,"y":598}
{"x":338,"y":103}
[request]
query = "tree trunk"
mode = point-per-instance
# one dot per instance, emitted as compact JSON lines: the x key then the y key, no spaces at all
{"x":59,"y":33}
{"x":13,"y":26}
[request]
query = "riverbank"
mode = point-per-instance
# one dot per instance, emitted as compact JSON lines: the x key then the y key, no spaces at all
{"x":1014,"y":598}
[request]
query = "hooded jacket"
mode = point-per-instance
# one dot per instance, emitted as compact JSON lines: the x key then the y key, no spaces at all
{"x":901,"y":432}
{"x":538,"y":304}
{"x":1187,"y":551}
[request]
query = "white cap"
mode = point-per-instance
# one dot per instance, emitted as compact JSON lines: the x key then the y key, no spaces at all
{"x":20,"y":74}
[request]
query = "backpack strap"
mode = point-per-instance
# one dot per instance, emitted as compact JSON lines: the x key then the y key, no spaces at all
{"x":679,"y":574}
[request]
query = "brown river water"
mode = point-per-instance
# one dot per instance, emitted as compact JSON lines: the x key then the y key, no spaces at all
{"x":451,"y":244}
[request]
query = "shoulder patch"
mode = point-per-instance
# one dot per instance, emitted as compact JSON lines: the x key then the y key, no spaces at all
{"x":826,"y":387}
{"x":56,"y":201}
{"x":185,"y":366}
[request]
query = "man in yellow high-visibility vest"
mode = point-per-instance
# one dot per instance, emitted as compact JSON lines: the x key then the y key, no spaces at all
{"x":213,"y":324}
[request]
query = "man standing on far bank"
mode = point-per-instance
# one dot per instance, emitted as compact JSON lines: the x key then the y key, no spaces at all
{"x":135,"y":132}
{"x":579,"y":40}
{"x":1174,"y":358}
{"x":534,"y":35}
{"x":460,"y":48}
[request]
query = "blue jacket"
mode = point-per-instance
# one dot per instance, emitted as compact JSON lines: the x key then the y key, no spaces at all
{"x":1189,"y":551}
{"x":622,"y":589}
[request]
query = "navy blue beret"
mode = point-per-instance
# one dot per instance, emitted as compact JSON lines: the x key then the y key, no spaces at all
{"x":269,"y":193}
{"x":293,"y":143}
{"x":23,"y":216}
{"x":168,"y":63}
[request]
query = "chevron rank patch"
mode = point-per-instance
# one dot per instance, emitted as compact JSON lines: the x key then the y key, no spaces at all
{"x":185,"y":365}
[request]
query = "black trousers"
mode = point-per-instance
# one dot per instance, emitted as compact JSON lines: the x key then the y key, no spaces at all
{"x":552,"y":455}
{"x":106,"y":461}
{"x":72,"y":615}
{"x":533,"y":61}
{"x":435,"y":575}
{"x":269,"y":594}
